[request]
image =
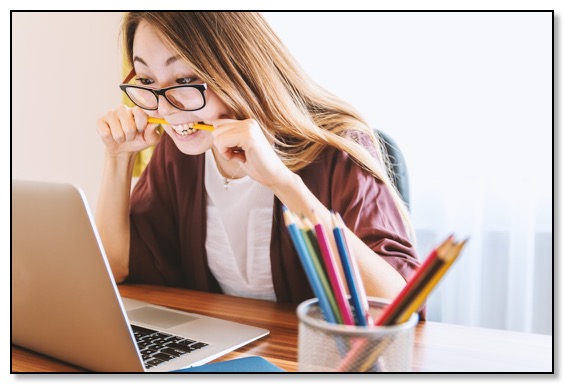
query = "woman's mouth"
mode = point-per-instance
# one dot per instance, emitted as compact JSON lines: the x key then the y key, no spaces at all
{"x":184,"y":129}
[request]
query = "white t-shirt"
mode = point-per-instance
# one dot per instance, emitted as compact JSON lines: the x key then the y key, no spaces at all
{"x":239,"y":225}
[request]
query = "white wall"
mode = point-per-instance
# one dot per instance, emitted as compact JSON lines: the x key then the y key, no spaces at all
{"x":446,"y":86}
{"x":66,"y":68}
{"x":468,"y":98}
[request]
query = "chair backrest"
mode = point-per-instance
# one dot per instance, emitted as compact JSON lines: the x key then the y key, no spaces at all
{"x":399,"y":167}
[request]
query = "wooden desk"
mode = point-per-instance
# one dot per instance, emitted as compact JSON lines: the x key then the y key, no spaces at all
{"x":438,"y":347}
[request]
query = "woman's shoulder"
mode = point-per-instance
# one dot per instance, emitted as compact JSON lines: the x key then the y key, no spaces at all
{"x":364,"y":140}
{"x":336,"y":164}
{"x":341,"y":156}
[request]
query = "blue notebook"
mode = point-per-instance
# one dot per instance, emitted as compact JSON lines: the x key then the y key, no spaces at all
{"x":244,"y":364}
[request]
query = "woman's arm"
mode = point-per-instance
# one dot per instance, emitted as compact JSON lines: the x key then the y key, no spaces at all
{"x":379,"y":277}
{"x":112,"y":212}
{"x":124,"y":132}
{"x":262,"y":164}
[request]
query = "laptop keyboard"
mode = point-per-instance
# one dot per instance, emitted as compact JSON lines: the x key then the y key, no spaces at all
{"x":157,"y":347}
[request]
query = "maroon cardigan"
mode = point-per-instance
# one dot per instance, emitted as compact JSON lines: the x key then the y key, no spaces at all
{"x":168,"y":222}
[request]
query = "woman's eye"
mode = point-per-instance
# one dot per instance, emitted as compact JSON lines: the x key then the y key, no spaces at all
{"x":144,"y":81}
{"x":185,"y":80}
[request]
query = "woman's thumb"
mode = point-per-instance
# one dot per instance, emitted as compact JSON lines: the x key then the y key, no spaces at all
{"x":152,"y":134}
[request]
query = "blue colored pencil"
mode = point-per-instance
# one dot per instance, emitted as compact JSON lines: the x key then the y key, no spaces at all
{"x":308,"y":266}
{"x":332,"y":269}
{"x":352,"y":276}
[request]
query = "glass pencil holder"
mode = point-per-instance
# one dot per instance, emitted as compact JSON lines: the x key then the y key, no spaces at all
{"x":327,"y":347}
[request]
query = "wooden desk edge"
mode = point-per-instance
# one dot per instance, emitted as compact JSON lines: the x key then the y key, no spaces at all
{"x":438,"y":347}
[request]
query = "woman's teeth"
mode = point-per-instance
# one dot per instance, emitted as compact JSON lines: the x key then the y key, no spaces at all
{"x":184,"y":129}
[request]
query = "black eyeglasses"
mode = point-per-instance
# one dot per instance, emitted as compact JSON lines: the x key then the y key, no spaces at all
{"x":189,"y":97}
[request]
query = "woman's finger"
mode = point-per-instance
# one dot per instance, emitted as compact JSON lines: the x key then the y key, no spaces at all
{"x":140,"y":118}
{"x":151,"y":134}
{"x":127,"y":123}
{"x":115,"y":128}
{"x":104,"y":131}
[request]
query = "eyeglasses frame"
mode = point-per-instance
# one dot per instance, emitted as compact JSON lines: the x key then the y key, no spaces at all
{"x":162,"y":92}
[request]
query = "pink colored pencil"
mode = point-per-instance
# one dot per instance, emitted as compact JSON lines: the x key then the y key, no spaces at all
{"x":333,"y":272}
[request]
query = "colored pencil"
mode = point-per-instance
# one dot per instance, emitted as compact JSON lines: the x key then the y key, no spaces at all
{"x":430,"y":282}
{"x":315,"y":253}
{"x":391,"y":313}
{"x":201,"y":126}
{"x":332,"y":269}
{"x":352,"y":275}
{"x":321,"y":268}
{"x":307,"y":263}
{"x":447,"y":252}
{"x":359,"y":347}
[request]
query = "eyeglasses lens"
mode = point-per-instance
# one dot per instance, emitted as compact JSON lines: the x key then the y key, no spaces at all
{"x":185,"y":98}
{"x":143,"y":98}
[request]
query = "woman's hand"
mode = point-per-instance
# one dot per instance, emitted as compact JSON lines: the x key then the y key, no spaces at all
{"x":244,"y":141}
{"x":125,"y":130}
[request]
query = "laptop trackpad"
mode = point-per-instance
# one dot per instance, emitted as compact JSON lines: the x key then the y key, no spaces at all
{"x":159,"y":317}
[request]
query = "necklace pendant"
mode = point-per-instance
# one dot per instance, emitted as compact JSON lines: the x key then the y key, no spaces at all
{"x":226,"y":181}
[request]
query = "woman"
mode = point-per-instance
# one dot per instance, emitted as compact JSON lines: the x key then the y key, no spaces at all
{"x":207,"y":212}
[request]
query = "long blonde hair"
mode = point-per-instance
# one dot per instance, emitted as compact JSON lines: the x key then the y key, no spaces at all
{"x":244,"y":62}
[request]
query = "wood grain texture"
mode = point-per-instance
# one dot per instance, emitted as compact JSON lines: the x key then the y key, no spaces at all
{"x":438,"y":347}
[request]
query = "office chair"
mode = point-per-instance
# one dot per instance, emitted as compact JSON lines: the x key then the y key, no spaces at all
{"x":398,"y":165}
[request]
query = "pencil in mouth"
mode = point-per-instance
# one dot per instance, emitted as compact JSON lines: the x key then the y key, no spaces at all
{"x":199,"y":125}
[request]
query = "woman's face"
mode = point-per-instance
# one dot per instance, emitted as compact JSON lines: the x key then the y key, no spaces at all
{"x":157,"y":67}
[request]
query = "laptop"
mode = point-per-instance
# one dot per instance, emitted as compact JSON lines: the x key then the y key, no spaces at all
{"x":65,"y":302}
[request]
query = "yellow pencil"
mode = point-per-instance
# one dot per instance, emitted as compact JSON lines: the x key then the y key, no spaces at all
{"x":201,"y":126}
{"x":451,"y":254}
{"x":427,"y":288}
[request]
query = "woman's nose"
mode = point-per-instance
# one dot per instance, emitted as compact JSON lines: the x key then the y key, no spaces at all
{"x":165,"y":108}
